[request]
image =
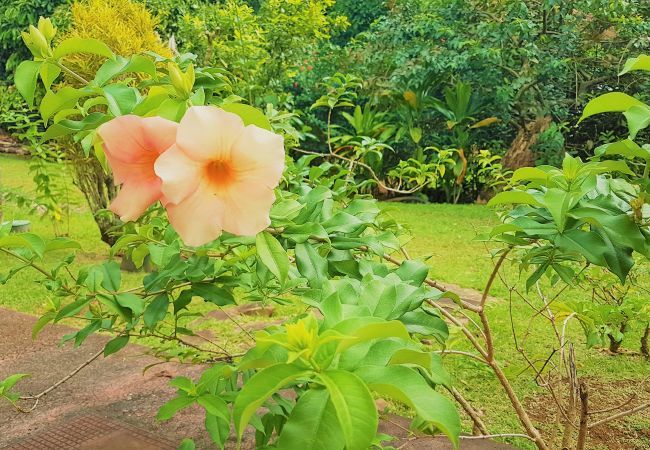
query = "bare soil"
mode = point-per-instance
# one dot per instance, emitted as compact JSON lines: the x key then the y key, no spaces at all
{"x":620,"y":434}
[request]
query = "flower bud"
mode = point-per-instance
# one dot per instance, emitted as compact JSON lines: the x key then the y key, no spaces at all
{"x":46,"y":28}
{"x":36,"y":42}
{"x":182,"y":82}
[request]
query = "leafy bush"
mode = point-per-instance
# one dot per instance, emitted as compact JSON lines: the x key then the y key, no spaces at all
{"x":125,"y":26}
{"x":15,"y":17}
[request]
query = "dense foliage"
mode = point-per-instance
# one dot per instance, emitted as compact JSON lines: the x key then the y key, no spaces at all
{"x":417,"y":99}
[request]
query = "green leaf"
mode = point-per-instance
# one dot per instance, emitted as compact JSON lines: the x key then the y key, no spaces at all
{"x":169,"y":409}
{"x":25,"y":80}
{"x":130,"y":301}
{"x":513,"y":197}
{"x":61,"y":243}
{"x":430,"y":362}
{"x":413,"y":271}
{"x":421,"y":322}
{"x":10,"y":382}
{"x":610,"y":102}
{"x":626,"y":147}
{"x":272,"y":255}
{"x":218,"y":429}
{"x":260,"y":387}
{"x":120,"y":65}
{"x":30,"y":241}
{"x":641,"y":62}
{"x":214,"y":294}
{"x":115,"y":345}
{"x":354,"y":406}
{"x":364,"y":329}
{"x":156,"y":310}
{"x":82,"y":45}
{"x":41,"y":322}
{"x":49,"y":73}
{"x":587,"y":243}
{"x":407,"y":386}
{"x":64,"y":98}
{"x":249,"y":114}
{"x":187,"y":444}
{"x":311,"y":264}
{"x":559,"y":202}
{"x":121,"y":99}
{"x":638,"y":118}
{"x":529,"y":174}
{"x":312,"y":425}
{"x":215,"y":406}
{"x":112,"y":277}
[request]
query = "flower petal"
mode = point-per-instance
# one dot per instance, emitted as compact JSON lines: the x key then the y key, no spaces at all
{"x":135,"y":197}
{"x":207,"y":133}
{"x":246,"y":208}
{"x":180,"y":175}
{"x":258,"y":156}
{"x":132,"y":144}
{"x":197,"y":219}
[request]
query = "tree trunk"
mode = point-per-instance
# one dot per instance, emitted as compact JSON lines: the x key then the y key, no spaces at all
{"x":520,"y":154}
{"x":614,"y":345}
{"x":645,"y":351}
{"x":98,"y":188}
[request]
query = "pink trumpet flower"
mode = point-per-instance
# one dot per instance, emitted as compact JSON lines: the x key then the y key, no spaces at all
{"x":219,"y":175}
{"x":132,"y":144}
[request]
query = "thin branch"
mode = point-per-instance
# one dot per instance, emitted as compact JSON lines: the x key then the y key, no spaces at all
{"x":37,"y":397}
{"x":501,"y":435}
{"x":469,"y":409}
{"x":621,"y":414}
{"x":613,"y":408}
{"x":461,"y":353}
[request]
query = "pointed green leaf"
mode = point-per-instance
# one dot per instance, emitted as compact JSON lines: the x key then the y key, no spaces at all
{"x":260,"y":387}
{"x":272,"y":255}
{"x":407,"y":386}
{"x":82,"y":45}
{"x":354,"y":406}
{"x":610,"y":102}
{"x":25,"y":80}
{"x":312,"y":425}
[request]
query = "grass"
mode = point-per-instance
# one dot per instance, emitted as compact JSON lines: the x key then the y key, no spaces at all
{"x":443,"y":234}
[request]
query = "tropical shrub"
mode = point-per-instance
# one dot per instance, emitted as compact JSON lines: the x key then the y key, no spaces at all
{"x":311,"y":248}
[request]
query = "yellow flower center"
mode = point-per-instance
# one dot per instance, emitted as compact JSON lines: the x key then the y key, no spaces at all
{"x":220,"y":174}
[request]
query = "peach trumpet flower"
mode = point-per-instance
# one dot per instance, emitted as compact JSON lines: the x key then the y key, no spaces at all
{"x":219,"y":175}
{"x":132,"y":144}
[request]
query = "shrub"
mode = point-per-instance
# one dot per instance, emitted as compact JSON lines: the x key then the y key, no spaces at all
{"x":15,"y":16}
{"x":125,"y":26}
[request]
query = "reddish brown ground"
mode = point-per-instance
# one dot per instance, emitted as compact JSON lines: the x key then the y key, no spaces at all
{"x":114,"y":387}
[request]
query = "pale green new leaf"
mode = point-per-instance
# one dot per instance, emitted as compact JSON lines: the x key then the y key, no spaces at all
{"x":610,"y":102}
{"x":513,"y":197}
{"x":25,"y":79}
{"x":82,"y":45}
{"x":641,"y":62}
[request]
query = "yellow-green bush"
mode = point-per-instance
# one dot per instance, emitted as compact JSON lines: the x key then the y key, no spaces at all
{"x":126,"y":27}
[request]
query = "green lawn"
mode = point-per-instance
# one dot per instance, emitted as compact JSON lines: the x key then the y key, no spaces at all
{"x":444,"y":235}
